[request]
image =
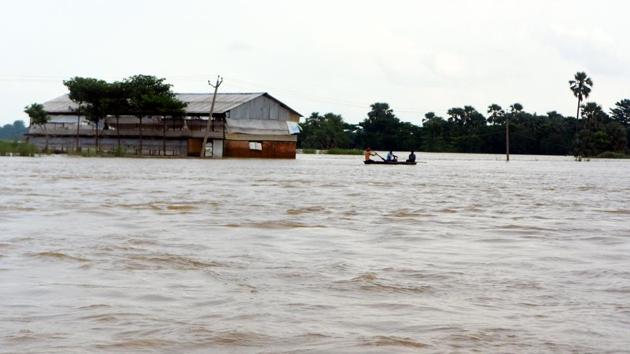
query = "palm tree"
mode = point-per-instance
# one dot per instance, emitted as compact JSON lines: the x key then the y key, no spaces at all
{"x":581,"y":87}
{"x":595,"y":116}
{"x":516,"y":108}
{"x":496,"y":114}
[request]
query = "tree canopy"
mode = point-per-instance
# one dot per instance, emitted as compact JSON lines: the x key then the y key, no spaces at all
{"x":621,"y":112}
{"x":139,"y":95}
{"x":325,"y":132}
{"x":581,"y":86}
{"x":468,"y":130}
{"x":38,"y":117}
{"x":149,"y":95}
{"x":37,"y":114}
{"x":13,"y":131}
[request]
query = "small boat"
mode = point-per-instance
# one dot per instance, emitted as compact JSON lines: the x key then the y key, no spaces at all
{"x":372,"y":162}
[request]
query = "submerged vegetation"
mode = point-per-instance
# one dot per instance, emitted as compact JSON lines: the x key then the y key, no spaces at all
{"x":465,"y":129}
{"x":334,"y":151}
{"x":16,"y":148}
{"x":340,"y":151}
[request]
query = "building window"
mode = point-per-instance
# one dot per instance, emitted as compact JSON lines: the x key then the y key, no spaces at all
{"x":255,"y":145}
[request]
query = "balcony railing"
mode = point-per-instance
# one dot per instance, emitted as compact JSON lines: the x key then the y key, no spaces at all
{"x":151,"y":131}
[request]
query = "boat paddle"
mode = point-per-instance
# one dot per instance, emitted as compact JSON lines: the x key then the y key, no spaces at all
{"x":376,"y":153}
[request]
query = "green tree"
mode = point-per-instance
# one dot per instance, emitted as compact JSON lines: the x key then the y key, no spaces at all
{"x":555,"y":135}
{"x":592,"y":138}
{"x":381,"y":127}
{"x":581,"y":86}
{"x":516,"y":112}
{"x":38,"y":117}
{"x":117,"y":104}
{"x":409,"y":137}
{"x":621,"y":112}
{"x":168,"y":106}
{"x":496,"y":114}
{"x":466,"y":117}
{"x":435,"y":133}
{"x":456,"y":116}
{"x":324,"y":132}
{"x":467,"y":124}
{"x":516,"y":108}
{"x":617,"y":136}
{"x":90,"y":95}
{"x":149,"y":96}
{"x":594,"y":116}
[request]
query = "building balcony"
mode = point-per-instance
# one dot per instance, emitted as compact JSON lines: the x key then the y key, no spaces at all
{"x":148,"y":132}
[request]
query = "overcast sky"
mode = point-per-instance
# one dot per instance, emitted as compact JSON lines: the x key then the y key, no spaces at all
{"x":325,"y":56}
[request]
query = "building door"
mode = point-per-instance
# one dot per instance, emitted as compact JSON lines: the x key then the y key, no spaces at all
{"x":194,"y":146}
{"x":217,"y":151}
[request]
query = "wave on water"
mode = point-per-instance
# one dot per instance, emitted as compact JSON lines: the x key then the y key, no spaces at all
{"x":137,"y":344}
{"x":394,"y":341}
{"x":320,"y":254}
{"x":16,"y":208}
{"x":161,"y":206}
{"x":180,"y":207}
{"x":57,"y":256}
{"x":26,"y":335}
{"x":616,"y":211}
{"x":167,"y":261}
{"x":305,"y":210}
{"x":273,"y":225}
{"x":370,"y":282}
{"x":403,"y":213}
{"x":234,"y":338}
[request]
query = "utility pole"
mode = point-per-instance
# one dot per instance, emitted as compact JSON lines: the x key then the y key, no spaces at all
{"x":214,"y":98}
{"x":507,"y":139}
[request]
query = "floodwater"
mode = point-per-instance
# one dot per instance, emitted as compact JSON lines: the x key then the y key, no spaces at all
{"x":461,"y":253}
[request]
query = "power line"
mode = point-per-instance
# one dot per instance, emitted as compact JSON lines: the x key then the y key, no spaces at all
{"x":237,"y":82}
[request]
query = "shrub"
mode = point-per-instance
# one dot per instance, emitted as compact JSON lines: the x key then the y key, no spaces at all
{"x":338,"y":151}
{"x":8,"y":148}
{"x":613,"y":155}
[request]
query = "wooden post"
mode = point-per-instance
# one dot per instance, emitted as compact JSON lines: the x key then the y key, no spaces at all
{"x":78,"y":147}
{"x":163,"y":136}
{"x":118,"y":131}
{"x":96,"y":138}
{"x":214,"y":97}
{"x":507,"y":139}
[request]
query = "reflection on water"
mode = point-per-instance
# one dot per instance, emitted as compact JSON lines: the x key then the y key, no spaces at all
{"x":322,"y":254}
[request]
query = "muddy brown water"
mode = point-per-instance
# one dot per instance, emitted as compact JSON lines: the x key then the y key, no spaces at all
{"x":461,"y":253}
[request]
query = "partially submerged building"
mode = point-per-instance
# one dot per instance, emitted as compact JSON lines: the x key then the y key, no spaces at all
{"x":242,"y":125}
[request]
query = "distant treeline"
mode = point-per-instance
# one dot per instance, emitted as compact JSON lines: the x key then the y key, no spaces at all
{"x":13,"y":131}
{"x":465,"y":129}
{"x":593,"y":133}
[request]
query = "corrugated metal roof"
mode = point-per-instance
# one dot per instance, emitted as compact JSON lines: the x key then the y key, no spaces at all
{"x":61,"y":104}
{"x":197,"y":103}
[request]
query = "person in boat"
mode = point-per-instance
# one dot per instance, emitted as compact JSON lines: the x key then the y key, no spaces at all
{"x":412,"y":157}
{"x":391,"y":157}
{"x":368,"y":153}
